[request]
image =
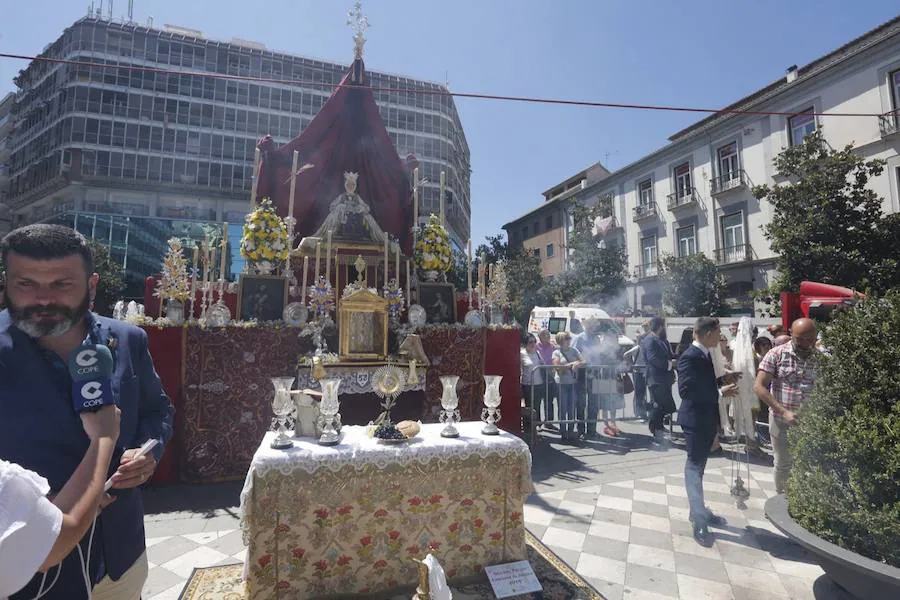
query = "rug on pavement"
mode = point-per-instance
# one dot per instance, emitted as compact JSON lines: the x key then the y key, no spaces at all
{"x":558,"y":580}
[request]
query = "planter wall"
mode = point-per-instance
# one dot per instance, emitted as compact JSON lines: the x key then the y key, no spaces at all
{"x":863,"y":577}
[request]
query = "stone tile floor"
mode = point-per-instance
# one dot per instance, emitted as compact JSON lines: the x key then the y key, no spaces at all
{"x":615,"y":510}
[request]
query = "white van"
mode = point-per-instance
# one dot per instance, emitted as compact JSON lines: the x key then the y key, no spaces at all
{"x":571,"y":319}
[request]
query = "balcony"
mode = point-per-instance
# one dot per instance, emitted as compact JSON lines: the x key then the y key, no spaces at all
{"x":682,"y":199}
{"x":889,"y":124}
{"x":734,"y":254}
{"x":733,"y":180}
{"x":647,"y":271}
{"x":5,"y":149}
{"x":645,"y":211}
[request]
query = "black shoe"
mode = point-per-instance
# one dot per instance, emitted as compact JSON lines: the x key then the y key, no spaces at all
{"x":703,"y":536}
{"x":716,"y":521}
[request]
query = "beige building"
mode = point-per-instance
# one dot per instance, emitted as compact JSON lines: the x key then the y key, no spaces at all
{"x":544,"y":231}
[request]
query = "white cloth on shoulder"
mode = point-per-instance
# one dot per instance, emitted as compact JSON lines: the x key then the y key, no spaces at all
{"x":29,"y":526}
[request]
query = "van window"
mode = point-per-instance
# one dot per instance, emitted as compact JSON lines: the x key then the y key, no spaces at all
{"x":576,"y":327}
{"x":556,"y":324}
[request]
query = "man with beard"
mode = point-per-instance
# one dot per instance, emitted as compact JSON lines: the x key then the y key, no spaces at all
{"x":785,"y":378}
{"x":50,"y":287}
{"x":660,"y":375}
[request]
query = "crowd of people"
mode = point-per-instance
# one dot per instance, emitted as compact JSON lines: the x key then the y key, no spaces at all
{"x":748,"y":389}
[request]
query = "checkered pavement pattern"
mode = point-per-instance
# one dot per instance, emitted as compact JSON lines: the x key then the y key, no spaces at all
{"x":633,"y":540}
{"x":173,"y":558}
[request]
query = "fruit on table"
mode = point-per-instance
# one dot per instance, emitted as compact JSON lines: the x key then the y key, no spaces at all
{"x":389,"y":432}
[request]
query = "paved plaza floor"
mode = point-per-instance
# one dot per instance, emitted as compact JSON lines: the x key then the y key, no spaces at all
{"x":615,"y":510}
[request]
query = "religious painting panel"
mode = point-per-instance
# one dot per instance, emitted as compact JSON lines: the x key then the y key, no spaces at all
{"x":439,"y":302}
{"x":261,"y":298}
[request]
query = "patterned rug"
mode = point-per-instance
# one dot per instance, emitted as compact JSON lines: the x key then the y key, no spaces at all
{"x":558,"y":580}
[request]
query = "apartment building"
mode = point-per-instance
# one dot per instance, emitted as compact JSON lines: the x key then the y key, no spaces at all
{"x":130,"y":145}
{"x":694,"y":194}
{"x":6,"y":104}
{"x":544,"y":231}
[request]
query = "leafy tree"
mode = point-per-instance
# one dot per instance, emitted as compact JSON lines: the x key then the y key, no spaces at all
{"x":827,"y":225}
{"x":692,"y":285}
{"x":596,"y":271}
{"x":111,"y":284}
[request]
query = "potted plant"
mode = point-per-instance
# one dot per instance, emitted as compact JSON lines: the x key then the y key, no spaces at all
{"x":843,"y":498}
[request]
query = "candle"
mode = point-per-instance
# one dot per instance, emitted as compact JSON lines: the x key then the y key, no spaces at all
{"x":224,"y":251}
{"x":408,"y":284}
{"x":443,"y":182}
{"x":193,"y":281}
{"x":385,"y":260}
{"x":415,"y":199}
{"x":255,"y":179}
{"x":481,"y":282}
{"x":328,"y":257}
{"x":303,"y":289}
{"x":291,"y":198}
{"x":397,"y":264}
{"x":469,"y":270}
{"x":491,"y":273}
{"x":318,"y":250}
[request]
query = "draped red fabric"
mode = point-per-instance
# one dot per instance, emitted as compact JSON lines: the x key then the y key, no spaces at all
{"x":166,"y":348}
{"x":346,"y":135}
{"x":502,"y":357}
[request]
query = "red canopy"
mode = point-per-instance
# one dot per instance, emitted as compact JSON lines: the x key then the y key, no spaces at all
{"x":346,"y":135}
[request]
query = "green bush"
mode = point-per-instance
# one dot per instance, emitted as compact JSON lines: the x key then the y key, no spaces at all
{"x":845,"y":483}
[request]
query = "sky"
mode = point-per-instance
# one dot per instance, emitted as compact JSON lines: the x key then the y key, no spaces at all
{"x":704,"y":53}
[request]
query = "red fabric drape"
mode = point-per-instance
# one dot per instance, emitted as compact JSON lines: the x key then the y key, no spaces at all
{"x":347,"y":134}
{"x":166,"y":347}
{"x":502,"y":357}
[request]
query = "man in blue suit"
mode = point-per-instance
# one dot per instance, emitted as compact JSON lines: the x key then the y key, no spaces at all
{"x":50,"y":288}
{"x":659,"y":373}
{"x":698,"y":416}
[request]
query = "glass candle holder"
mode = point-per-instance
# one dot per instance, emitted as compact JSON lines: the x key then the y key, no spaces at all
{"x":449,"y":406}
{"x":490,"y":414}
{"x":283,"y":407}
{"x":329,"y":417}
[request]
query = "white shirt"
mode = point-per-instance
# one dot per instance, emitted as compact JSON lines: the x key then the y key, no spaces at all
{"x":29,"y":526}
{"x":531,"y":372}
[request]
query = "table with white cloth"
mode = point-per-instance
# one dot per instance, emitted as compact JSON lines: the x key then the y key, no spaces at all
{"x":349,"y":519}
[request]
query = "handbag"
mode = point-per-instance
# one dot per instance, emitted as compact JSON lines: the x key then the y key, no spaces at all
{"x":626,"y":385}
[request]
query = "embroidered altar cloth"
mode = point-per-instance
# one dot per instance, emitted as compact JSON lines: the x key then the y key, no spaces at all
{"x":349,"y":519}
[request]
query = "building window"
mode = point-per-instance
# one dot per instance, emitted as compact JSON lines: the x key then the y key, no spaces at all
{"x":728,"y":162}
{"x":801,"y":126}
{"x":549,"y":222}
{"x":645,"y":192}
{"x":525,"y":232}
{"x":537,"y":227}
{"x":733,"y":237}
{"x":536,"y":252}
{"x":683,"y":180}
{"x":648,"y":255}
{"x":549,"y":250}
{"x":606,"y":204}
{"x":687,"y":241}
{"x":895,"y":94}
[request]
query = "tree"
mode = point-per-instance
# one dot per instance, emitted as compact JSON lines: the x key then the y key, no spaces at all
{"x":827,"y":225}
{"x":597,"y":271}
{"x":111,"y":282}
{"x":692,"y":285}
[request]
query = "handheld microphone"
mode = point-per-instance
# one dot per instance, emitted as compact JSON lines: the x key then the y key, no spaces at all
{"x":91,"y":368}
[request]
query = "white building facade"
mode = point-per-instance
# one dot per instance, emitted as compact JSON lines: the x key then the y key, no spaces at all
{"x":694,"y":194}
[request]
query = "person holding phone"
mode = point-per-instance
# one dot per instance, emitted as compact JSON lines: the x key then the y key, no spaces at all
{"x":36,"y":532}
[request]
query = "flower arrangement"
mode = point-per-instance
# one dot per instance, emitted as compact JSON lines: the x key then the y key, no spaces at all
{"x":394,"y":295}
{"x":498,"y":289}
{"x":265,"y":239}
{"x":321,"y":297}
{"x":174,"y":283}
{"x":432,"y":252}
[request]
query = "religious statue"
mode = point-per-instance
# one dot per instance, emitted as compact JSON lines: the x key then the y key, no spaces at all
{"x":349,"y":216}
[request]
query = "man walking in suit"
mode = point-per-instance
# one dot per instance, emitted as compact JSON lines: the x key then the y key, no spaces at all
{"x":699,"y":418}
{"x":659,"y":373}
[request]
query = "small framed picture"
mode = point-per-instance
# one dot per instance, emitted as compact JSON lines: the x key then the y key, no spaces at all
{"x":439,"y":302}
{"x":262,"y":297}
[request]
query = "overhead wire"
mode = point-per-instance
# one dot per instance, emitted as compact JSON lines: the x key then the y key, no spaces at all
{"x":438,"y":91}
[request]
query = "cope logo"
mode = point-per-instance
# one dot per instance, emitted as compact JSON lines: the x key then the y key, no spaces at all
{"x":86,"y":362}
{"x":92,"y":394}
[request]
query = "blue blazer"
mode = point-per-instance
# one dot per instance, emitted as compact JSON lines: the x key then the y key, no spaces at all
{"x":657,"y":354}
{"x":40,"y":430}
{"x":699,"y":391}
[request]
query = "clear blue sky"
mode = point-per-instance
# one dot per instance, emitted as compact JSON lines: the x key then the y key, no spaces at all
{"x":695,"y":53}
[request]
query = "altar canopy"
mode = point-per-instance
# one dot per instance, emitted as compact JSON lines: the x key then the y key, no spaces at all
{"x":347,"y":135}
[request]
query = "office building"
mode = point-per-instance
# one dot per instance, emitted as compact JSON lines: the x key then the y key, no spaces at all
{"x":5,"y":150}
{"x":694,"y":194}
{"x":137,"y":144}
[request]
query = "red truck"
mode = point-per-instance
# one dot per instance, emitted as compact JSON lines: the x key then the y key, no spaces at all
{"x":815,"y":301}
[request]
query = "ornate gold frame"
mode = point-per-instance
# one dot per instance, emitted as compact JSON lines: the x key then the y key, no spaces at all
{"x":362,"y":302}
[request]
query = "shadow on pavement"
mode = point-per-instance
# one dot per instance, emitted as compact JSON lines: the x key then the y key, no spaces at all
{"x":205,"y":500}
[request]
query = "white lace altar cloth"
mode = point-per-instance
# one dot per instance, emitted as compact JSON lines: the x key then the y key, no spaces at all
{"x":348,"y":519}
{"x":354,"y":379}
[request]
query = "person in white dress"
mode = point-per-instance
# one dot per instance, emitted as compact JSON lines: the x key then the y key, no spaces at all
{"x":37,"y":533}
